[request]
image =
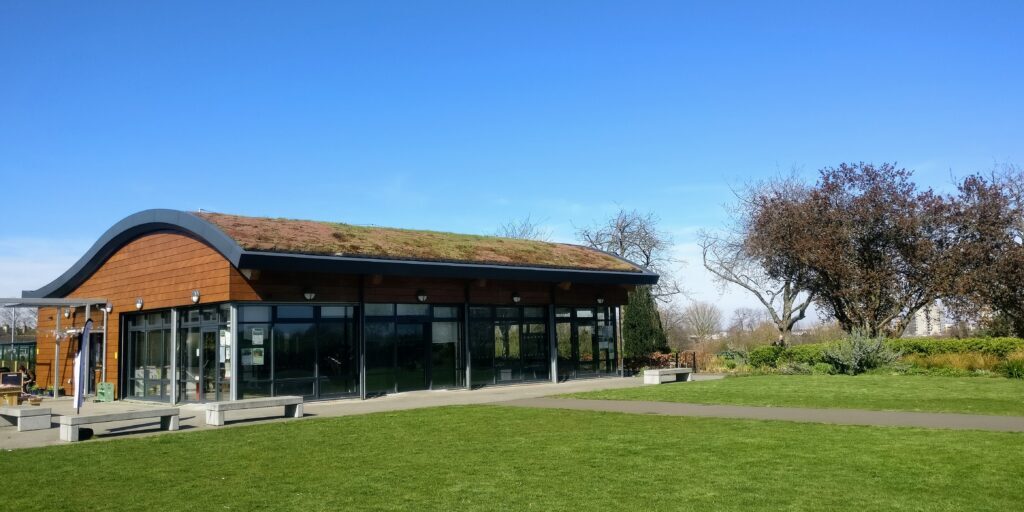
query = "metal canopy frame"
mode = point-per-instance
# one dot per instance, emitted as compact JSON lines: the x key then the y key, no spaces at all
{"x":59,"y":304}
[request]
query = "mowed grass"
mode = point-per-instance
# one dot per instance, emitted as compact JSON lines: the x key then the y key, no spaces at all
{"x":971,"y":395}
{"x":495,"y":458}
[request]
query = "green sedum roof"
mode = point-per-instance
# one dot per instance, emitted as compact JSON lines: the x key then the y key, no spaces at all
{"x":337,"y":239}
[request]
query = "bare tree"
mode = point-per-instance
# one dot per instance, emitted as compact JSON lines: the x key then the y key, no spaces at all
{"x":524,"y":229}
{"x":635,"y":236}
{"x":672,"y":324}
{"x":702,"y":319}
{"x":747,"y":319}
{"x":732,"y":259}
{"x":19,"y":319}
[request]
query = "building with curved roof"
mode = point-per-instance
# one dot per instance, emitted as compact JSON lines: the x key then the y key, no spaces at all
{"x":201,"y":306}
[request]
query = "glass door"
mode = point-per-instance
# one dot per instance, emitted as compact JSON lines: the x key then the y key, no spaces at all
{"x":210,"y":366}
{"x":380,"y":356}
{"x":190,"y":367}
{"x":445,"y":355}
{"x":585,"y":341}
{"x":203,"y":365}
{"x":411,"y":373}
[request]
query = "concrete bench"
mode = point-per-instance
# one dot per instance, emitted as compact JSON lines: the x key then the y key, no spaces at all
{"x":26,"y":418}
{"x":663,"y":375}
{"x":69,"y":425}
{"x":215,"y":410}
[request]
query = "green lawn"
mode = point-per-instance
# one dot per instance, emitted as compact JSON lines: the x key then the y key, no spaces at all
{"x":495,"y":458}
{"x":974,"y":395}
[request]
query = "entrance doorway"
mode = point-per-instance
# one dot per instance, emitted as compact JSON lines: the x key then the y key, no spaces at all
{"x":204,"y":354}
{"x":204,"y":365}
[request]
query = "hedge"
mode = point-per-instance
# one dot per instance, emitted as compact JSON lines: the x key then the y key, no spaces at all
{"x":1000,"y":347}
{"x":810,"y":354}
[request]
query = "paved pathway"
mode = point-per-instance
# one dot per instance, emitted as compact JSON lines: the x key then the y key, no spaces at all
{"x":835,"y":416}
{"x":193,"y":419}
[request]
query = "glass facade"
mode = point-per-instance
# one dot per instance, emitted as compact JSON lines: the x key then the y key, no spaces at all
{"x":147,"y":354}
{"x":313,"y":350}
{"x":413,"y":346}
{"x":308,"y":350}
{"x":508,"y":344}
{"x":586,"y":342}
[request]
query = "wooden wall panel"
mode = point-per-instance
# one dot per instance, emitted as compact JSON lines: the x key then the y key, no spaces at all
{"x":162,"y":268}
{"x":290,"y":287}
{"x":403,"y":290}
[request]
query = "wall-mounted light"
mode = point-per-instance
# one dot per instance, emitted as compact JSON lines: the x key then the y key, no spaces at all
{"x":67,"y":313}
{"x":138,"y":303}
{"x":195,"y":296}
{"x":600,"y":300}
{"x":309,"y":295}
{"x":108,"y":307}
{"x":516,"y":298}
{"x":421,"y":295}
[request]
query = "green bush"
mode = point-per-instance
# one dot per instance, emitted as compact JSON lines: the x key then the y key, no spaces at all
{"x":770,"y":356}
{"x":765,"y":356}
{"x":823,"y":369}
{"x":858,"y":354}
{"x":807,"y":354}
{"x":1000,"y":347}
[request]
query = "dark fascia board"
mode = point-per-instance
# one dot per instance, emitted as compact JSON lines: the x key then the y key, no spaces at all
{"x":412,"y":268}
{"x":128,"y":229}
{"x":150,"y":221}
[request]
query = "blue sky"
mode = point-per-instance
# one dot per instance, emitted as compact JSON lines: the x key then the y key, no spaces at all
{"x":461,"y":115}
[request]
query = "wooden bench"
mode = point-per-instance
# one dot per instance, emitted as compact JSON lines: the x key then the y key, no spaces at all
{"x":26,"y":418}
{"x":663,"y":375}
{"x":215,"y":410}
{"x":69,"y":425}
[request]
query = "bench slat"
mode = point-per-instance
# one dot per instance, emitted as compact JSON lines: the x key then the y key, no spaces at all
{"x":118,"y":416}
{"x":24,"y":412}
{"x":253,"y":403}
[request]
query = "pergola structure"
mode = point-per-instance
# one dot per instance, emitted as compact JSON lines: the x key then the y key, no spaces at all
{"x":67,"y":305}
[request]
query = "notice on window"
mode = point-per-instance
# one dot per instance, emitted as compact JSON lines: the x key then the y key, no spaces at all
{"x":257,"y":335}
{"x":257,"y":357}
{"x":252,"y":356}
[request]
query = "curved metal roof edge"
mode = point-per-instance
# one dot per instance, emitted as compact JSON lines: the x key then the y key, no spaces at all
{"x":148,"y":221}
{"x":129,"y":228}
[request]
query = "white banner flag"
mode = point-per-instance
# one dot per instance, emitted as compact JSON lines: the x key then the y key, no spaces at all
{"x":82,"y":365}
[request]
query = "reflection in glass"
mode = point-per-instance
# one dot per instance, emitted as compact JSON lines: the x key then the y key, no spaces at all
{"x":380,"y":357}
{"x":148,"y":356}
{"x":445,"y":355}
{"x":295,"y":355}
{"x":508,"y":345}
{"x":337,"y":359}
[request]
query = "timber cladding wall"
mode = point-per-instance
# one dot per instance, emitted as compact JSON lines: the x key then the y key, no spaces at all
{"x":162,"y":268}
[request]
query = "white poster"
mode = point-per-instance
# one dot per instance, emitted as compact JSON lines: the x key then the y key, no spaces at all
{"x":257,"y":357}
{"x":257,"y":336}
